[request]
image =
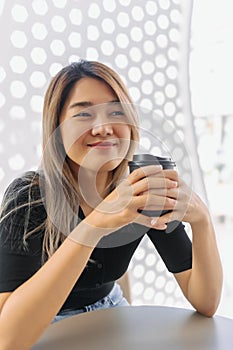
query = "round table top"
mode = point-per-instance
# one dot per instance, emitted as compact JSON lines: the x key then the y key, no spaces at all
{"x":139,"y":327}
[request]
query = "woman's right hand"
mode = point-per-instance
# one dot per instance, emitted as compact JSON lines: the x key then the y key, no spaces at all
{"x":145,"y":188}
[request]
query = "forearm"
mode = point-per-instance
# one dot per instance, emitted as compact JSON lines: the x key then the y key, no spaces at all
{"x":32,"y":306}
{"x":205,"y":282}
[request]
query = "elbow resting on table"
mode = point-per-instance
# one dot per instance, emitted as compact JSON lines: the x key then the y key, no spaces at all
{"x":209,"y":308}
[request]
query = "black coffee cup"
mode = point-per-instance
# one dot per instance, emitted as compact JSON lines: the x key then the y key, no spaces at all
{"x":140,"y":160}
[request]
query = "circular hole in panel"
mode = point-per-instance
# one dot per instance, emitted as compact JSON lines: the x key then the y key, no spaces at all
{"x":169,"y":109}
{"x":60,"y":3}
{"x":38,"y":55}
{"x":179,"y":119}
{"x":58,"y":24}
{"x":144,"y":141}
{"x":149,"y":47}
{"x":93,"y":33}
{"x":108,"y":25}
{"x":76,"y":16}
{"x":55,"y":68}
{"x":135,"y":54}
{"x":151,"y":8}
{"x":150,"y":276}
{"x":18,"y":64}
{"x":123,"y":19}
{"x":121,"y":61}
{"x":40,"y":7}
{"x":136,"y":34}
{"x":122,"y":41}
{"x":161,"y":61}
{"x":36,"y":103}
{"x":150,"y":259}
{"x":174,"y":35}
{"x":163,"y":22}
{"x":135,"y":93}
{"x":162,"y":41}
{"x":75,"y":39}
{"x":147,"y":87}
{"x":137,"y":288}
{"x":164,"y":4}
{"x":148,"y":293}
{"x":94,"y":11}
{"x":107,"y":47}
{"x":57,"y":47}
{"x":19,"y":13}
{"x":168,"y":127}
{"x":175,"y":16}
{"x":159,"y":79}
{"x":16,"y":162}
{"x":92,"y":53}
{"x":73,"y":58}
{"x":17,"y":113}
{"x":173,"y":53}
{"x":124,"y":2}
{"x":37,"y":79}
{"x":150,"y":28}
{"x":134,"y":74}
{"x":140,"y":253}
{"x":19,"y":39}
{"x":160,"y":267}
{"x":137,"y":13}
{"x":171,"y":90}
{"x":18,"y":89}
{"x":160,"y":282}
{"x":159,"y":98}
{"x":172,"y":72}
{"x":2,"y":74}
{"x":178,"y":153}
{"x":138,"y":271}
{"x":2,"y":100}
{"x":39,"y":31}
{"x":148,"y":67}
{"x":109,"y":5}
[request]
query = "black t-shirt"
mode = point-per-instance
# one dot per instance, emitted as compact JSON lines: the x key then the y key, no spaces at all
{"x":108,"y":262}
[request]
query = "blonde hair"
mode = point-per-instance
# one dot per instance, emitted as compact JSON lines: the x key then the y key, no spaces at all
{"x":59,"y":188}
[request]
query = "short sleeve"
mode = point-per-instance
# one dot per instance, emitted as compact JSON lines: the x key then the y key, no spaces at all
{"x":19,"y":261}
{"x":175,"y":247}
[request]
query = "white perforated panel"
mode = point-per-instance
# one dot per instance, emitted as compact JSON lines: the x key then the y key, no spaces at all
{"x":145,"y":41}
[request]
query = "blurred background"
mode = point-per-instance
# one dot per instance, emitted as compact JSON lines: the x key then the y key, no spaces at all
{"x":175,"y":56}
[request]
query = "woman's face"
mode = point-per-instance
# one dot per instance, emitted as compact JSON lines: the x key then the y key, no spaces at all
{"x":94,"y":128}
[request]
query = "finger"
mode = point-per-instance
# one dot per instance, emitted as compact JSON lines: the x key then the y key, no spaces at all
{"x":152,"y":182}
{"x":153,"y":202}
{"x":142,"y":172}
{"x":171,"y":174}
{"x":151,"y":223}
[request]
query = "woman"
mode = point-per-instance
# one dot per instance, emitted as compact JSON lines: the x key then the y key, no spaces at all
{"x":69,"y":230}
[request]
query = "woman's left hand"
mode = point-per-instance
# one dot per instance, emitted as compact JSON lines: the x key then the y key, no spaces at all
{"x":189,"y":206}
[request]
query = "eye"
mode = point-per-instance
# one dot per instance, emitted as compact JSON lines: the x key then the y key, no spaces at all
{"x":82,"y":114}
{"x":117,"y":113}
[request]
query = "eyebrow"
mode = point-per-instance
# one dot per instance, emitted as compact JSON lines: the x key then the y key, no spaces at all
{"x":89,"y":104}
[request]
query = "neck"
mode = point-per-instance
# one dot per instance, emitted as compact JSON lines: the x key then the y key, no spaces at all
{"x":94,"y":187}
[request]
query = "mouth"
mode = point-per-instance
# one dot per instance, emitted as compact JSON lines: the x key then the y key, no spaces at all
{"x":102,"y":144}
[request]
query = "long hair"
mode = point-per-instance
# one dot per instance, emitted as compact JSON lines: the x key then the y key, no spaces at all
{"x":58,"y":185}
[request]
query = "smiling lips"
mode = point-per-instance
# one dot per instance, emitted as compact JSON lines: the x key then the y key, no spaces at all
{"x":102,"y":144}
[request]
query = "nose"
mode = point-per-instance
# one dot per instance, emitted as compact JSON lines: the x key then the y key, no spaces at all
{"x":102,"y":129}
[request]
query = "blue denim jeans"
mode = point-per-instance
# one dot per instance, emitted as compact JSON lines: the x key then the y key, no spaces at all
{"x":114,"y":299}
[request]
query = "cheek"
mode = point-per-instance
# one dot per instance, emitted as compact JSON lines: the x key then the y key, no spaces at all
{"x":71,"y":135}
